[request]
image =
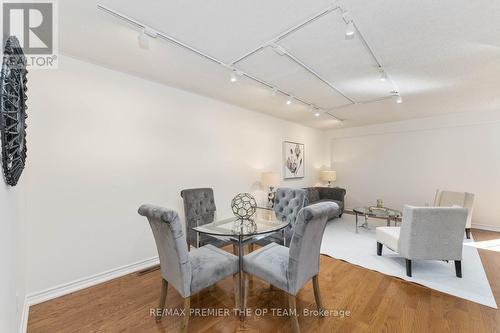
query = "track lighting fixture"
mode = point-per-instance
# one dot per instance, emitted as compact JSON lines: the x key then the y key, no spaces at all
{"x":233,"y":78}
{"x":143,"y":40}
{"x":234,"y":75}
{"x":383,"y":76}
{"x":280,"y":50}
{"x":144,"y":35}
{"x":350,"y":30}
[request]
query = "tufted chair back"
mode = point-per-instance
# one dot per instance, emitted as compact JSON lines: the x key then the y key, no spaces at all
{"x":303,"y":262}
{"x":288,"y":202}
{"x":171,"y":246}
{"x":199,"y":209}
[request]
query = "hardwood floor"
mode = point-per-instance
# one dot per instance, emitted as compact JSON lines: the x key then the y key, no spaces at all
{"x":376,"y":302}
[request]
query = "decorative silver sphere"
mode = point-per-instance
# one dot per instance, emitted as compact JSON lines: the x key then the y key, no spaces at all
{"x":243,"y":205}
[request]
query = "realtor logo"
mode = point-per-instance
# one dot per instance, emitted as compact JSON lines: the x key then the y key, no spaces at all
{"x":34,"y":25}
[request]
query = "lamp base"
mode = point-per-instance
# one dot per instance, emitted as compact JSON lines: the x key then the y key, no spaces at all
{"x":270,"y":197}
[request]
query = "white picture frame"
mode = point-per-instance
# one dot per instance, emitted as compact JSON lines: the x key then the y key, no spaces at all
{"x":293,"y":160}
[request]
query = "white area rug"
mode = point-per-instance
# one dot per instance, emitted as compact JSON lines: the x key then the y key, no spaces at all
{"x":341,"y":242}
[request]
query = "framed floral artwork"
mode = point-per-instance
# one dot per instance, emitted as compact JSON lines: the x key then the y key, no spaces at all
{"x":293,"y":160}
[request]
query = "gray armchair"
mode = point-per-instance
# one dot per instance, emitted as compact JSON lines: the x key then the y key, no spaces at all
{"x":187,"y":272}
{"x":290,"y":268}
{"x":426,"y":233}
{"x":199,"y":209}
{"x":287,"y":204}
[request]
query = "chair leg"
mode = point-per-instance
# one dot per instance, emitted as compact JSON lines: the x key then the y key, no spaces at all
{"x":163,"y":297}
{"x":379,"y":249}
{"x":185,"y":319}
{"x":250,"y":247}
{"x":235,"y":249}
{"x":317,"y":296}
{"x":246,"y":291}
{"x":408,"y":267}
{"x":467,"y":233}
{"x":236,"y":287}
{"x":458,"y":268}
{"x":189,"y":247}
{"x":293,"y":313}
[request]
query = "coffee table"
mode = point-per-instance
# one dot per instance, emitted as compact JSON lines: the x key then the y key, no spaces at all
{"x":385,"y":213}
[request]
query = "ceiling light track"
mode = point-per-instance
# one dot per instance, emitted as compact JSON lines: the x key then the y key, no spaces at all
{"x":235,"y":73}
{"x":384,"y":75}
{"x":288,"y":32}
{"x":314,"y":73}
{"x":159,"y":34}
{"x":349,"y":21}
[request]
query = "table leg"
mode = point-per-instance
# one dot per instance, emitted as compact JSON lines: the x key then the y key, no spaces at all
{"x":389,"y":221}
{"x":242,"y":283}
{"x":356,"y":222}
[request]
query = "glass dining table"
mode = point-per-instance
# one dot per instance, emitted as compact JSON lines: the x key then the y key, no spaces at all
{"x":241,"y":232}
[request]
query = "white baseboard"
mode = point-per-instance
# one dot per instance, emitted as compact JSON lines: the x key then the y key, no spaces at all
{"x":486,"y":227}
{"x":67,"y":288}
{"x":23,"y":325}
{"x":70,"y":287}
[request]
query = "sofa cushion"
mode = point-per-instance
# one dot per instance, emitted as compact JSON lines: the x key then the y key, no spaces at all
{"x":312,"y":194}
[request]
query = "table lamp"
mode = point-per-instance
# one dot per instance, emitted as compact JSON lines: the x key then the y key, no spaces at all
{"x":272,"y":180}
{"x":328,"y":176}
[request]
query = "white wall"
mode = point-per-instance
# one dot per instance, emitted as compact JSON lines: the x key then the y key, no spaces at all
{"x":102,"y":142}
{"x":405,"y":162}
{"x":12,"y":285}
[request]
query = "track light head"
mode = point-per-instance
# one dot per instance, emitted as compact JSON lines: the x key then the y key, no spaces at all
{"x":144,"y":35}
{"x":143,"y":40}
{"x":234,"y":75}
{"x":399,"y":99}
{"x":350,"y":30}
{"x":274,"y":92}
{"x":289,"y":100}
{"x":383,"y":76}
{"x":317,"y":114}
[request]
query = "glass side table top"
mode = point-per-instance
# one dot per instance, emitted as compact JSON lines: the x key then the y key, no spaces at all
{"x":378,"y":212}
{"x":262,"y":222}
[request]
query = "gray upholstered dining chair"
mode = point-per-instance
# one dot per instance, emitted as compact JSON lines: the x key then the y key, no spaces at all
{"x":199,"y":209}
{"x":290,"y":268}
{"x":426,"y":233}
{"x":187,"y":272}
{"x":287,"y":204}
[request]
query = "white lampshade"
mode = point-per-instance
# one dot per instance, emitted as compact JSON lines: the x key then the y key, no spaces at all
{"x":328,"y":175}
{"x":271,"y":179}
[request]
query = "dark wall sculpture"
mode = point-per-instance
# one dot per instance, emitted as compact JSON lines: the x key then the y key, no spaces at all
{"x":13,"y":110}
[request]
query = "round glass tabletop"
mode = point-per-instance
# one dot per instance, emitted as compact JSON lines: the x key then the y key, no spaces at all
{"x":378,"y":212}
{"x":262,"y":222}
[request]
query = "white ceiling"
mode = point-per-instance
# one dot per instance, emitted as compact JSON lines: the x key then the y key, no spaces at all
{"x":443,"y":56}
